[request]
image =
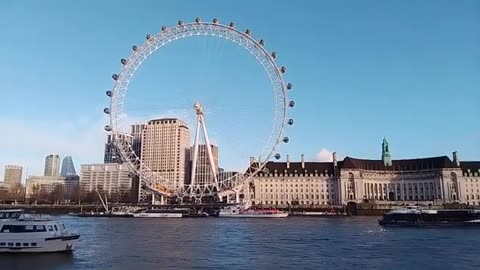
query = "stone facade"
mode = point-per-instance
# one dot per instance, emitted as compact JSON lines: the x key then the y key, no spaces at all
{"x":435,"y":181}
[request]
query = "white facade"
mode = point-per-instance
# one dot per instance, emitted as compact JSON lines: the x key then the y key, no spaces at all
{"x":112,"y":178}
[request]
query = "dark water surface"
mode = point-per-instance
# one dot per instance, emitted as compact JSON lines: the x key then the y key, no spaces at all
{"x":291,"y":243}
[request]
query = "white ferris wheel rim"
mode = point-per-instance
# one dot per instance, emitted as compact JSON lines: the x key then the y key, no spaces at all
{"x":166,"y":35}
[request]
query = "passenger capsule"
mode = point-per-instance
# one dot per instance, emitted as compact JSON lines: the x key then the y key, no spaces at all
{"x":180,"y":22}
{"x":130,"y":175}
{"x":164,"y":28}
{"x":215,"y":20}
{"x":108,"y":93}
{"x":197,"y":20}
{"x":108,"y":128}
{"x":232,"y":25}
{"x":291,"y":104}
{"x":134,"y":47}
{"x":277,"y":156}
{"x":274,"y":55}
{"x":247,"y":32}
{"x":106,"y":110}
{"x":289,"y":86}
{"x":262,"y":42}
{"x":290,"y":122}
{"x":286,"y":139}
{"x":123,"y":61}
{"x":115,"y":77}
{"x":283,"y":69}
{"x":147,"y":37}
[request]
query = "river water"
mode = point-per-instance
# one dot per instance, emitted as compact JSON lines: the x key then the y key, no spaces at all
{"x":291,"y":243}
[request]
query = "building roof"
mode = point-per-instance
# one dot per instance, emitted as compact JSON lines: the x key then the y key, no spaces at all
{"x":473,"y":166}
{"x":296,"y":167}
{"x":399,"y":165}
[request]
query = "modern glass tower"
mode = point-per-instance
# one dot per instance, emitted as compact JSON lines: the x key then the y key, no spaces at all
{"x":68,"y":169}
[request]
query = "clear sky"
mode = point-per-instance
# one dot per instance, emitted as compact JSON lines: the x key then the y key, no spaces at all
{"x":361,"y":70}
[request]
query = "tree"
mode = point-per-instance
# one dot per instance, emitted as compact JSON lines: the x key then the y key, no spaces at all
{"x":58,"y":194}
{"x":36,"y":190}
{"x":4,"y":195}
{"x":17,"y":193}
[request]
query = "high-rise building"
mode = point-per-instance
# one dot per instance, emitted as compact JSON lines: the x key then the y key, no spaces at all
{"x":112,"y":178}
{"x":203,"y":172}
{"x":13,"y":175}
{"x":166,"y":147}
{"x":52,"y":165}
{"x":137,"y":134}
{"x":68,"y":169}
{"x":112,"y":154}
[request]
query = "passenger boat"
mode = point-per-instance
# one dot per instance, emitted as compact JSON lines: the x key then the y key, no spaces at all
{"x":157,"y":213}
{"x":245,"y":212}
{"x":415,"y":217}
{"x":21,"y":234}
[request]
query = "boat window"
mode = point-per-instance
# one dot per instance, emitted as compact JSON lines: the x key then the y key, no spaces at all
{"x":25,"y":244}
{"x":18,"y":244}
{"x":56,"y":228}
{"x":40,"y":228}
{"x":29,"y":228}
{"x":63,"y":226}
{"x":33,"y":244}
{"x":50,"y":228}
{"x":2,"y":244}
{"x":10,"y":244}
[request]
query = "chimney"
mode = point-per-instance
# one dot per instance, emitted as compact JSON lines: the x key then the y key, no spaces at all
{"x":455,"y":159}
{"x":252,"y":160}
{"x":334,"y":157}
{"x":288,"y":161}
{"x":302,"y":157}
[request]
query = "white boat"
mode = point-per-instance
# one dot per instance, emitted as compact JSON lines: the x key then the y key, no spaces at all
{"x":152,"y":213}
{"x":244,"y":212}
{"x":20,"y":234}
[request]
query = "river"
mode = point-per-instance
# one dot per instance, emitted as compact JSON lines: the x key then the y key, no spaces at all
{"x":291,"y":243}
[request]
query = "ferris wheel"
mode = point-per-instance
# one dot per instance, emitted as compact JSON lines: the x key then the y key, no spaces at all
{"x":161,"y":185}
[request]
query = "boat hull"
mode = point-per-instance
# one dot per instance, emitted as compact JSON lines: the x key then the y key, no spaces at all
{"x":60,"y":244}
{"x":157,"y":215}
{"x":279,"y":215}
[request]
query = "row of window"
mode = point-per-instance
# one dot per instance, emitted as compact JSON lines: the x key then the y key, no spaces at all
{"x":300,"y":202}
{"x":291,"y":185}
{"x":11,"y":244}
{"x":297,"y":197}
{"x":29,"y":228}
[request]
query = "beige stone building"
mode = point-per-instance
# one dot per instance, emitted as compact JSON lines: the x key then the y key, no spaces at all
{"x":13,"y":175}
{"x":113,"y":178}
{"x":305,"y":183}
{"x":432,"y":180}
{"x":166,"y":149}
{"x":48,"y":183}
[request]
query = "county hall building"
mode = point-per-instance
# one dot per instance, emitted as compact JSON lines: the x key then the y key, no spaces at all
{"x":432,"y":180}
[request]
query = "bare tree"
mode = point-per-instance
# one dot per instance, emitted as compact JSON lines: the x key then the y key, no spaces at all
{"x":58,"y":194}
{"x":36,"y":190}
{"x":17,"y":193}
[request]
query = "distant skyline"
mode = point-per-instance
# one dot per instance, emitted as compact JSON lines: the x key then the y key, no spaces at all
{"x":361,"y":71}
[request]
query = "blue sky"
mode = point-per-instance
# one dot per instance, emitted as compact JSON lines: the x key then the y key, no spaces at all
{"x":361,"y":70}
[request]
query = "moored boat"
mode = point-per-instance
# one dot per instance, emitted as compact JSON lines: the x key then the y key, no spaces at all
{"x":415,"y":217}
{"x":157,"y":213}
{"x":19,"y":234}
{"x":244,"y":212}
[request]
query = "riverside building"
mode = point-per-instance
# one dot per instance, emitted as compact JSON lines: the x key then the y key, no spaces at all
{"x":432,"y":180}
